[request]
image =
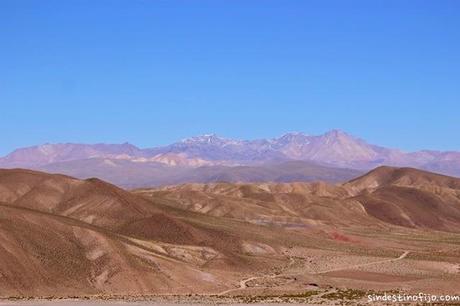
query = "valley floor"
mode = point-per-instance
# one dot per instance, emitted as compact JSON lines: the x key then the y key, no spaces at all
{"x":322,"y":277}
{"x":127,"y":303}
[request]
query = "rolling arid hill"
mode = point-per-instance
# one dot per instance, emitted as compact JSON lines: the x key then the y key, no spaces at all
{"x":87,"y":237}
{"x":392,"y":229}
{"x":400,"y":196}
{"x":410,"y":197}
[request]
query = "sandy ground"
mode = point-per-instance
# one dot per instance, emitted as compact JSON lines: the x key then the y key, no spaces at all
{"x":117,"y":303}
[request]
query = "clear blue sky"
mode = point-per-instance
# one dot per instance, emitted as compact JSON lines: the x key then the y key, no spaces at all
{"x":151,"y":72}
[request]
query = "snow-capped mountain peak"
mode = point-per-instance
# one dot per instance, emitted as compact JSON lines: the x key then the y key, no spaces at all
{"x":335,"y":147}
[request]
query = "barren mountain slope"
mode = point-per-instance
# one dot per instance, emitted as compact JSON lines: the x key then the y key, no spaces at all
{"x":409,"y":197}
{"x":407,"y":177}
{"x":103,"y":205}
{"x":62,"y":236}
{"x":44,"y":254}
{"x":399,"y":196}
{"x":316,"y":206}
{"x":92,"y":201}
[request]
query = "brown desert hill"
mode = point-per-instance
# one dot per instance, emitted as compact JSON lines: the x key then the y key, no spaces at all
{"x":317,"y":205}
{"x":103,"y":205}
{"x":43,"y":254}
{"x":92,"y":201}
{"x":63,"y":236}
{"x":398,"y":196}
{"x":409,"y":197}
{"x":408,"y":177}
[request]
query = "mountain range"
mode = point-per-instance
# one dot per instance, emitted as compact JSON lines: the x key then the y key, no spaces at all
{"x":333,"y":156}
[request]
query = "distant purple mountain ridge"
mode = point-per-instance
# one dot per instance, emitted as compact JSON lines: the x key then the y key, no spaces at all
{"x":208,"y":158}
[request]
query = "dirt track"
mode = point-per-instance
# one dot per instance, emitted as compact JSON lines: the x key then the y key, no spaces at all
{"x":243,"y":282}
{"x":403,"y":255}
